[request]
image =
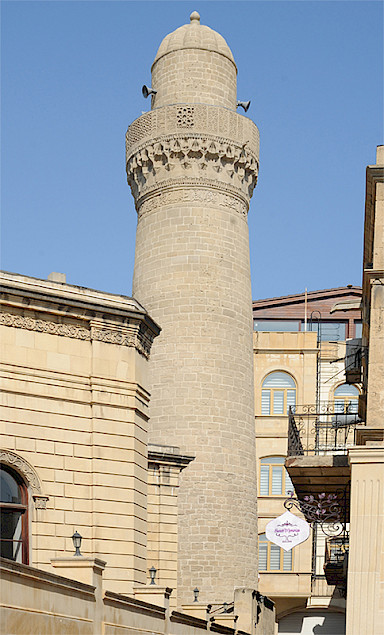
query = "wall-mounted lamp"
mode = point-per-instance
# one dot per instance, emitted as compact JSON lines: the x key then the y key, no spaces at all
{"x":243,"y":104}
{"x":148,"y":91}
{"x":152,"y":573}
{"x":196,"y":594}
{"x":76,"y":539}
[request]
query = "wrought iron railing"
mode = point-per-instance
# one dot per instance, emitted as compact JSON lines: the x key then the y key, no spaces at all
{"x":336,"y":549}
{"x":336,"y":561}
{"x":320,"y":429}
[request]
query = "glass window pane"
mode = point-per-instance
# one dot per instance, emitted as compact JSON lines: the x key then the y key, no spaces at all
{"x":347,"y":390}
{"x":277,"y":479}
{"x":264,"y":480}
{"x":329,"y":331}
{"x":353,"y":405}
{"x":278,"y":402}
{"x":279,"y":379}
{"x":265,"y":402}
{"x":276,"y":325}
{"x":288,"y":484}
{"x":9,"y":489}
{"x":17,"y":551}
{"x":275,"y":558}
{"x":10,"y":531}
{"x":291,"y":398}
{"x":287,"y":560}
{"x":274,"y":459}
{"x":263,"y":554}
{"x":358,"y":329}
{"x":339,"y":405}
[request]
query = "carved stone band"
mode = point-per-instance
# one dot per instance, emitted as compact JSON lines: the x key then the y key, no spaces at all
{"x":135,"y":335}
{"x":202,"y":118}
{"x":192,"y":156}
{"x":192,"y":195}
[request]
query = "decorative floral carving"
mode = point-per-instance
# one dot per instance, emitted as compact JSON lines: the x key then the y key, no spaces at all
{"x":44,"y":326}
{"x":192,"y":157}
{"x":26,"y":470}
{"x":208,"y":196}
{"x":41,"y":502}
{"x":135,"y":335}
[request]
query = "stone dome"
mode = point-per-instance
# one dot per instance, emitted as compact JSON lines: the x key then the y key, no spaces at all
{"x":194,"y":36}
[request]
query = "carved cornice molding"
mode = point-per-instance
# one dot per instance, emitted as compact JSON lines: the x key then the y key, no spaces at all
{"x":27,"y":472}
{"x":188,"y":158}
{"x":135,"y":334}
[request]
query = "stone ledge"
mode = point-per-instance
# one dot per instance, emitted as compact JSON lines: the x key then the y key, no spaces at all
{"x":44,"y":577}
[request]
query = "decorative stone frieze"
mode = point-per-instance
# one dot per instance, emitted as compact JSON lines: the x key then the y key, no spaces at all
{"x":44,"y":326}
{"x":201,"y":118}
{"x":134,"y":334}
{"x":193,"y":193}
{"x":204,"y":158}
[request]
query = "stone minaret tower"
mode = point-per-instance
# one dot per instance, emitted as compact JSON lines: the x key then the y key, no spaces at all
{"x":192,"y":165}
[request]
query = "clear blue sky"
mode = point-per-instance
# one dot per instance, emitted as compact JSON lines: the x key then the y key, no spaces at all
{"x":71,"y":84}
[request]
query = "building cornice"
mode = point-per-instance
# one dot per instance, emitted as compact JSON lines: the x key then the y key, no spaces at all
{"x":75,"y":312}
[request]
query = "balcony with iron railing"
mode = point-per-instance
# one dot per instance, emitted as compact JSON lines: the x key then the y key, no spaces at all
{"x":318,"y":440}
{"x":321,"y":429}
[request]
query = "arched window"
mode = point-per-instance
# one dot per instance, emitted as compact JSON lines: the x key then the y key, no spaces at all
{"x":278,"y":393}
{"x":346,"y":398}
{"x":14,"y":516}
{"x":272,"y":557}
{"x":274,"y":478}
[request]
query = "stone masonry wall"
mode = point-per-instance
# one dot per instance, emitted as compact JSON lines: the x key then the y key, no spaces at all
{"x":192,"y":165}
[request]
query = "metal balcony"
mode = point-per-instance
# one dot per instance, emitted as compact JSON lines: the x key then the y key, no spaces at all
{"x":318,"y":440}
{"x":320,"y":429}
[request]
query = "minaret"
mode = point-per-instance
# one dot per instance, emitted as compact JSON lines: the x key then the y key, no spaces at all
{"x":192,"y":165}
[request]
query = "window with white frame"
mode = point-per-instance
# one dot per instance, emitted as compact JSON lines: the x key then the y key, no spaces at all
{"x":274,"y":479}
{"x":272,"y":557}
{"x":278,"y":393}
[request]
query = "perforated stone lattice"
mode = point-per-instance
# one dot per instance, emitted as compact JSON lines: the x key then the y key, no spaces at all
{"x":185,"y":117}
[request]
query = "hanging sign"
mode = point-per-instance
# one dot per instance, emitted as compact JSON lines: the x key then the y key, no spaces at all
{"x":287,"y":531}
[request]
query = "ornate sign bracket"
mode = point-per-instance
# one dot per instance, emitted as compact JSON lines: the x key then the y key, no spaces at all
{"x":324,"y":510}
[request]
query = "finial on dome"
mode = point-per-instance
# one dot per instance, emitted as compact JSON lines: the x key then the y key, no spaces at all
{"x":195,"y":17}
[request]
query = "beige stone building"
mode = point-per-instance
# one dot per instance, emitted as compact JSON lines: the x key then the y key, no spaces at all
{"x":339,"y":452}
{"x":74,"y":424}
{"x":124,"y":446}
{"x":300,"y":346}
{"x":132,"y":421}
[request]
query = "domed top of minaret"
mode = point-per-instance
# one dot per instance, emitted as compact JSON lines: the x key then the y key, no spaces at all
{"x":194,"y":36}
{"x":194,"y":65}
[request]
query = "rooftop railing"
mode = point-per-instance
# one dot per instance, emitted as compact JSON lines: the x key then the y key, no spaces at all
{"x":321,"y":429}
